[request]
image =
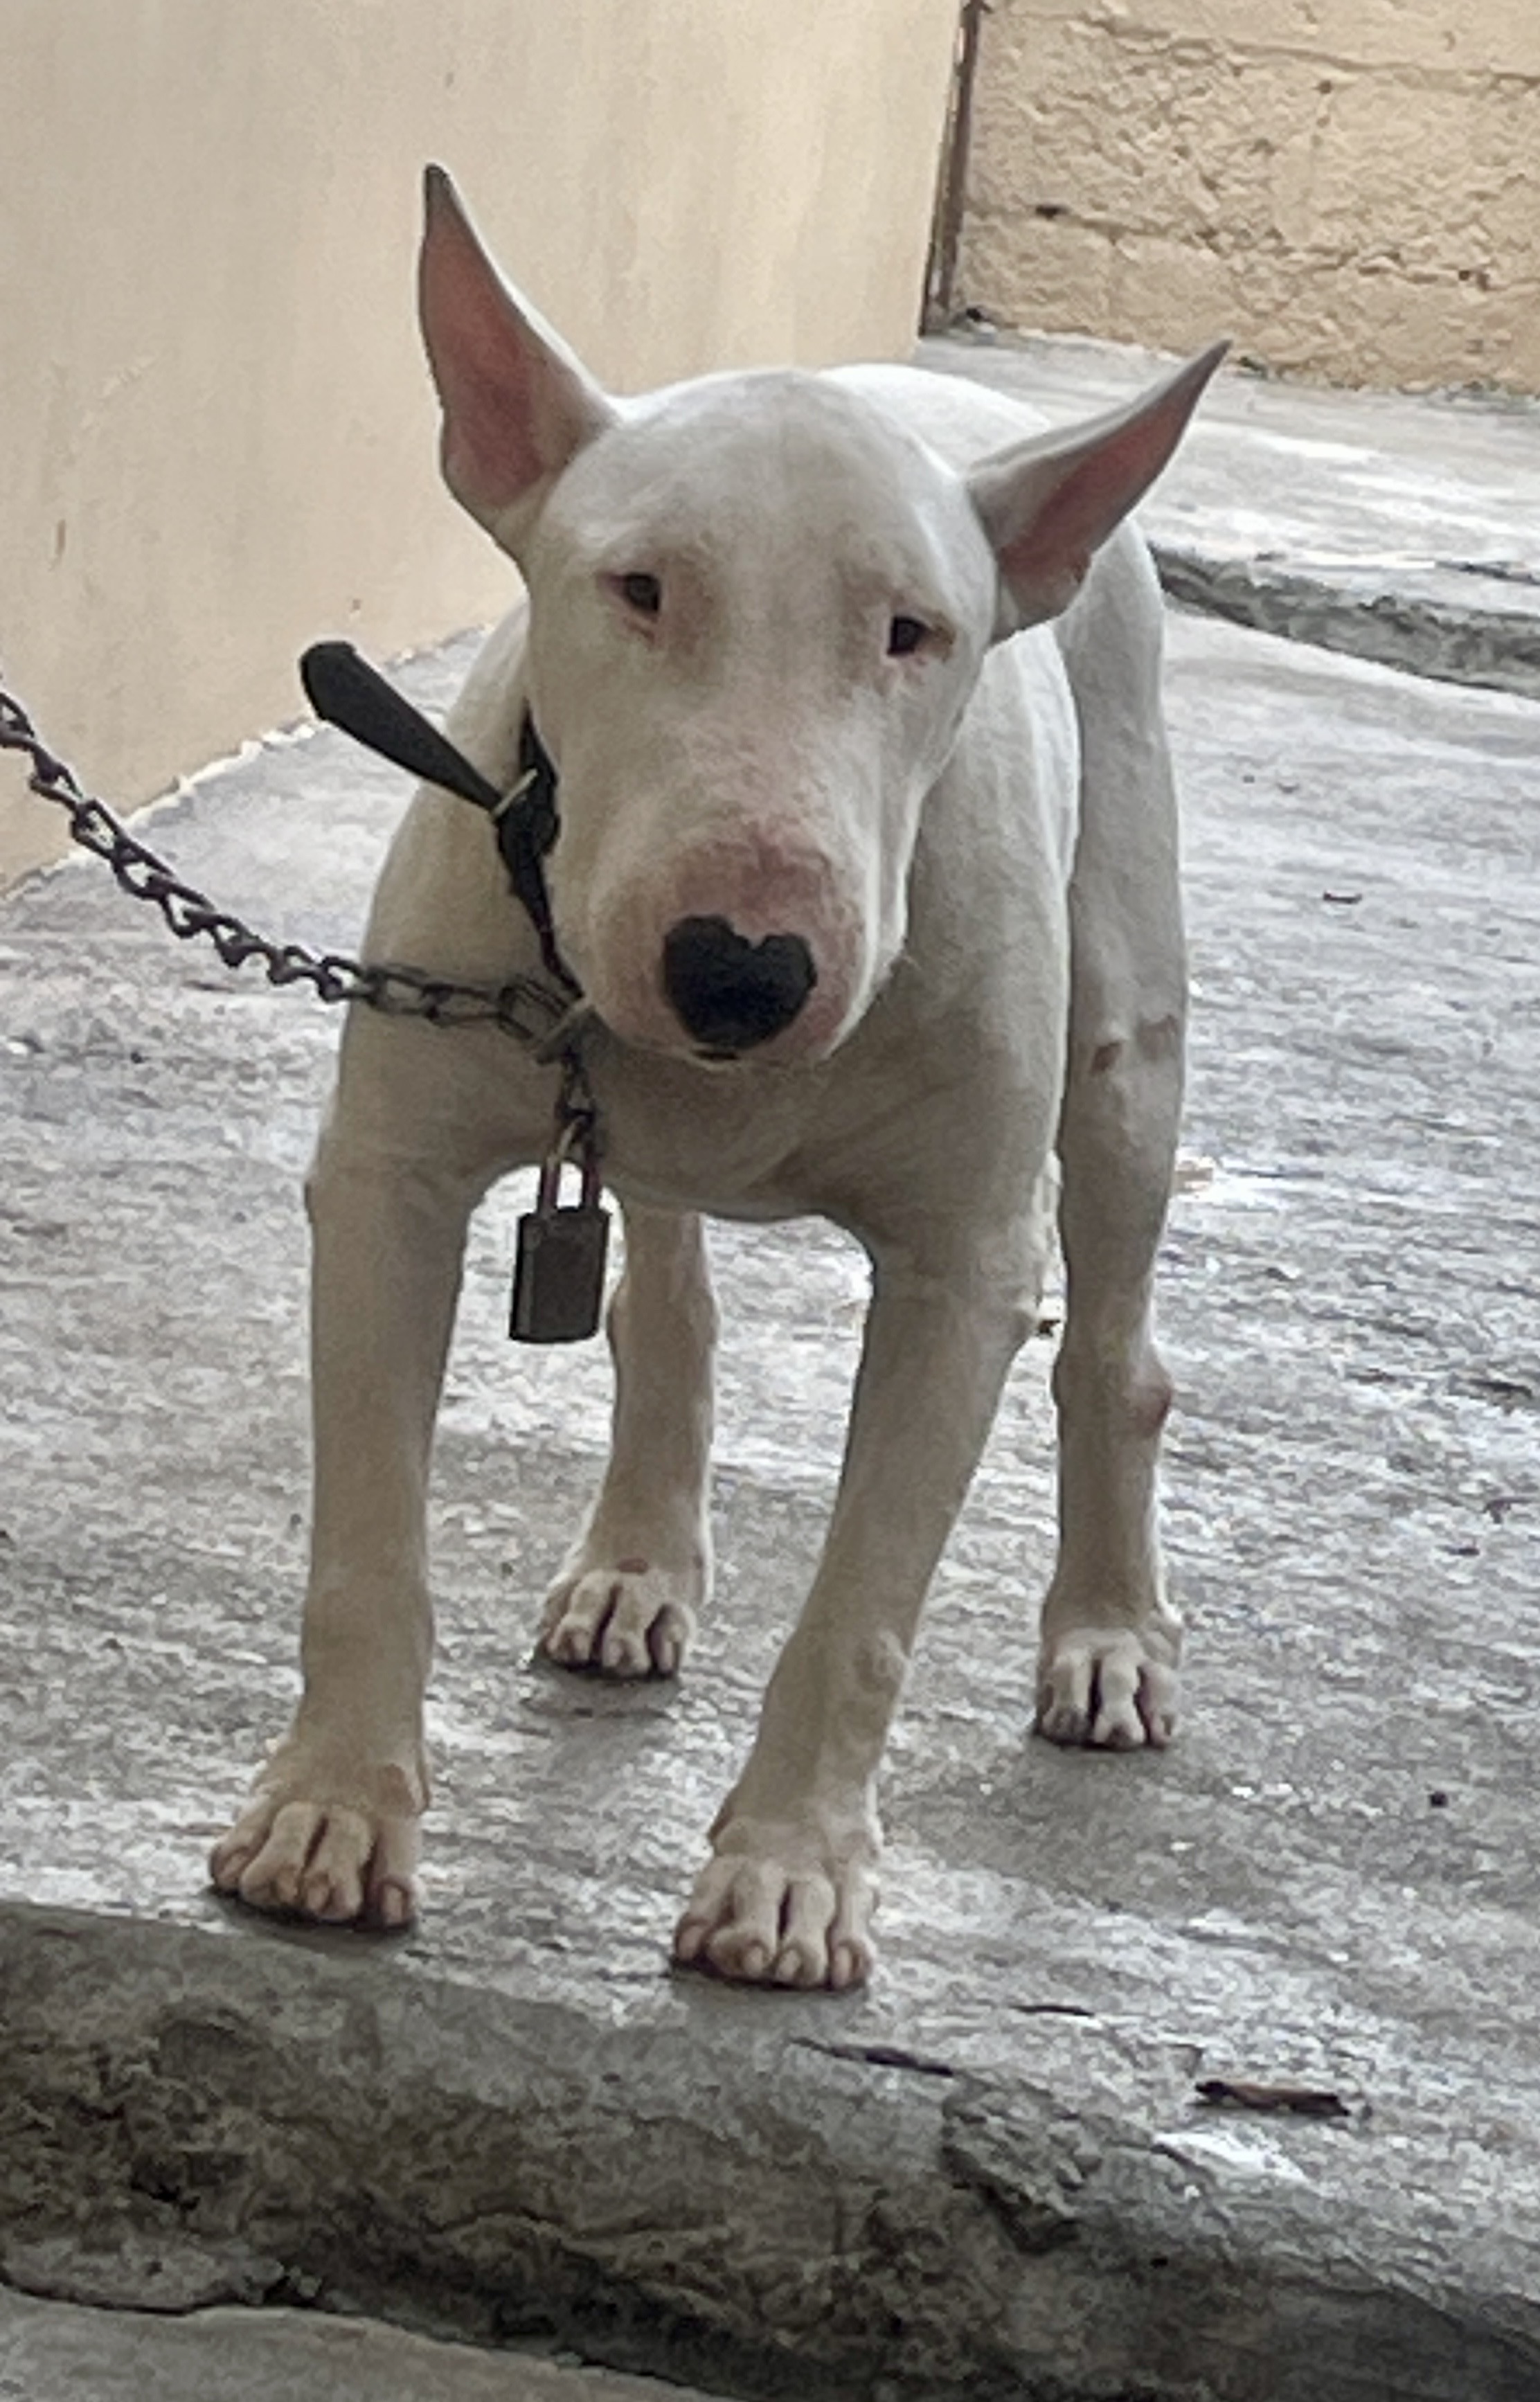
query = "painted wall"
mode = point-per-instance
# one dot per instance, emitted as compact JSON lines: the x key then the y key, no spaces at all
{"x":1350,"y":187}
{"x":216,"y":431}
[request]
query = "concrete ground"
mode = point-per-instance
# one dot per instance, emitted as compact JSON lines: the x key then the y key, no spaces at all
{"x":513,"y":2134}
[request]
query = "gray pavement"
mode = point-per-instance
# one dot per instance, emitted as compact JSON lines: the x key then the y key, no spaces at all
{"x":1397,"y":529}
{"x":991,"y":2174}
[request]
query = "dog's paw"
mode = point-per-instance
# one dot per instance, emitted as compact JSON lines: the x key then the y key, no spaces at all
{"x":626,"y":1619}
{"x":342,"y":1850}
{"x":1113,"y":1688}
{"x":778,"y":1904}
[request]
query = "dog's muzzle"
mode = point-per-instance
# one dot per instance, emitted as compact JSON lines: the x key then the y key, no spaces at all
{"x":730,"y":994}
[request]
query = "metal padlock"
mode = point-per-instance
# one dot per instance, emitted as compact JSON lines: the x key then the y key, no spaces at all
{"x":559,"y":1267}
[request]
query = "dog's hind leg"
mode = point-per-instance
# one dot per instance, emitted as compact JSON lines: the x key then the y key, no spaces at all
{"x":1110,"y":1638}
{"x":626,"y":1599}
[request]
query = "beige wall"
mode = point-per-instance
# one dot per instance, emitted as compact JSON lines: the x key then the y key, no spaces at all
{"x":1350,"y":187}
{"x":216,"y":431}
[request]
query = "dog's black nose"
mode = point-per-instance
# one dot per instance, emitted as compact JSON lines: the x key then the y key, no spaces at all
{"x":731,"y":993}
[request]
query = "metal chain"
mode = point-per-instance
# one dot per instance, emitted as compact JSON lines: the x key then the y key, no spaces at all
{"x":529,"y":1011}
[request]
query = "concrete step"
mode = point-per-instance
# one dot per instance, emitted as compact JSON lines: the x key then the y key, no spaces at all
{"x":60,"y":2351}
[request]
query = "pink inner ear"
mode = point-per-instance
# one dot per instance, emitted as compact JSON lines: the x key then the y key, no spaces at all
{"x":491,"y":449}
{"x":1080,"y":512}
{"x":517,"y":405}
{"x":1049,"y":506}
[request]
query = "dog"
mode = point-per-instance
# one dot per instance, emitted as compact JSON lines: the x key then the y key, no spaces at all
{"x":868,"y":871}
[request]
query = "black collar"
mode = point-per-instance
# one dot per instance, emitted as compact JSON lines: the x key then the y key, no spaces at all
{"x":345,"y":690}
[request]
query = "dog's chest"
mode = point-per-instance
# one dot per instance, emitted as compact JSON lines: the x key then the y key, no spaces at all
{"x":728,"y":1143}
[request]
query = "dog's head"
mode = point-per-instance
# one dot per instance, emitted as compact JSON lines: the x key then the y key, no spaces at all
{"x":757,"y":609}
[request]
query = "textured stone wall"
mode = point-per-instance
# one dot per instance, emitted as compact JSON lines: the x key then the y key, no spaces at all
{"x":1350,"y":187}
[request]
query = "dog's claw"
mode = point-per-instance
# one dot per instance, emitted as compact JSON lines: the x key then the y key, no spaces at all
{"x":397,"y":1904}
{"x":689,"y":1940}
{"x":850,"y":1963}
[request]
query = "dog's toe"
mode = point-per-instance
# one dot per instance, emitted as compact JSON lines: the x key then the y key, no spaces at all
{"x":783,"y":1913}
{"x":1104,"y":1687}
{"x":334,"y":1862}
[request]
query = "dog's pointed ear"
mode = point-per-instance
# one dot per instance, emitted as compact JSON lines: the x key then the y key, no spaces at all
{"x":518,"y":406}
{"x":1048,"y":503}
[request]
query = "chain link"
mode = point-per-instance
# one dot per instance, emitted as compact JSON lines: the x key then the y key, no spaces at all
{"x":528,"y":1010}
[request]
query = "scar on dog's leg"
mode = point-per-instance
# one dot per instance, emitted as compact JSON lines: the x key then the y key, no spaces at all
{"x":331,"y":1828}
{"x":787,"y":1896}
{"x":627,"y":1596}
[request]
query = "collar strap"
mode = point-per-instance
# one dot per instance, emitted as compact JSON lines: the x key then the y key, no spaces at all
{"x":343,"y":688}
{"x":527,"y":825}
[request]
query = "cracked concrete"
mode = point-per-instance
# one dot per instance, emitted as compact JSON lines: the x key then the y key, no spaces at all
{"x":991,"y":2174}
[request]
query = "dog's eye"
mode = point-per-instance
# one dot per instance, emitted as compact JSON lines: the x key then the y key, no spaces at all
{"x":905,"y":635}
{"x":643,"y":593}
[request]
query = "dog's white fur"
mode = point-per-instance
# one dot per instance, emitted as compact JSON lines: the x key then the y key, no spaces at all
{"x":977,"y":842}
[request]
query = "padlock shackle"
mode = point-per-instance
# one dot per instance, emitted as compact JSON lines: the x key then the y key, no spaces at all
{"x":573,"y":1148}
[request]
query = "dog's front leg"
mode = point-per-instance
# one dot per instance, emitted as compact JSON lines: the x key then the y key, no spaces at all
{"x":331,"y":1830}
{"x":787,"y":1896}
{"x":626,"y":1599}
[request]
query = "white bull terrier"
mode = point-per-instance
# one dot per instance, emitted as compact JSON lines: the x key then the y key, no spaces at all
{"x":870,"y":877}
